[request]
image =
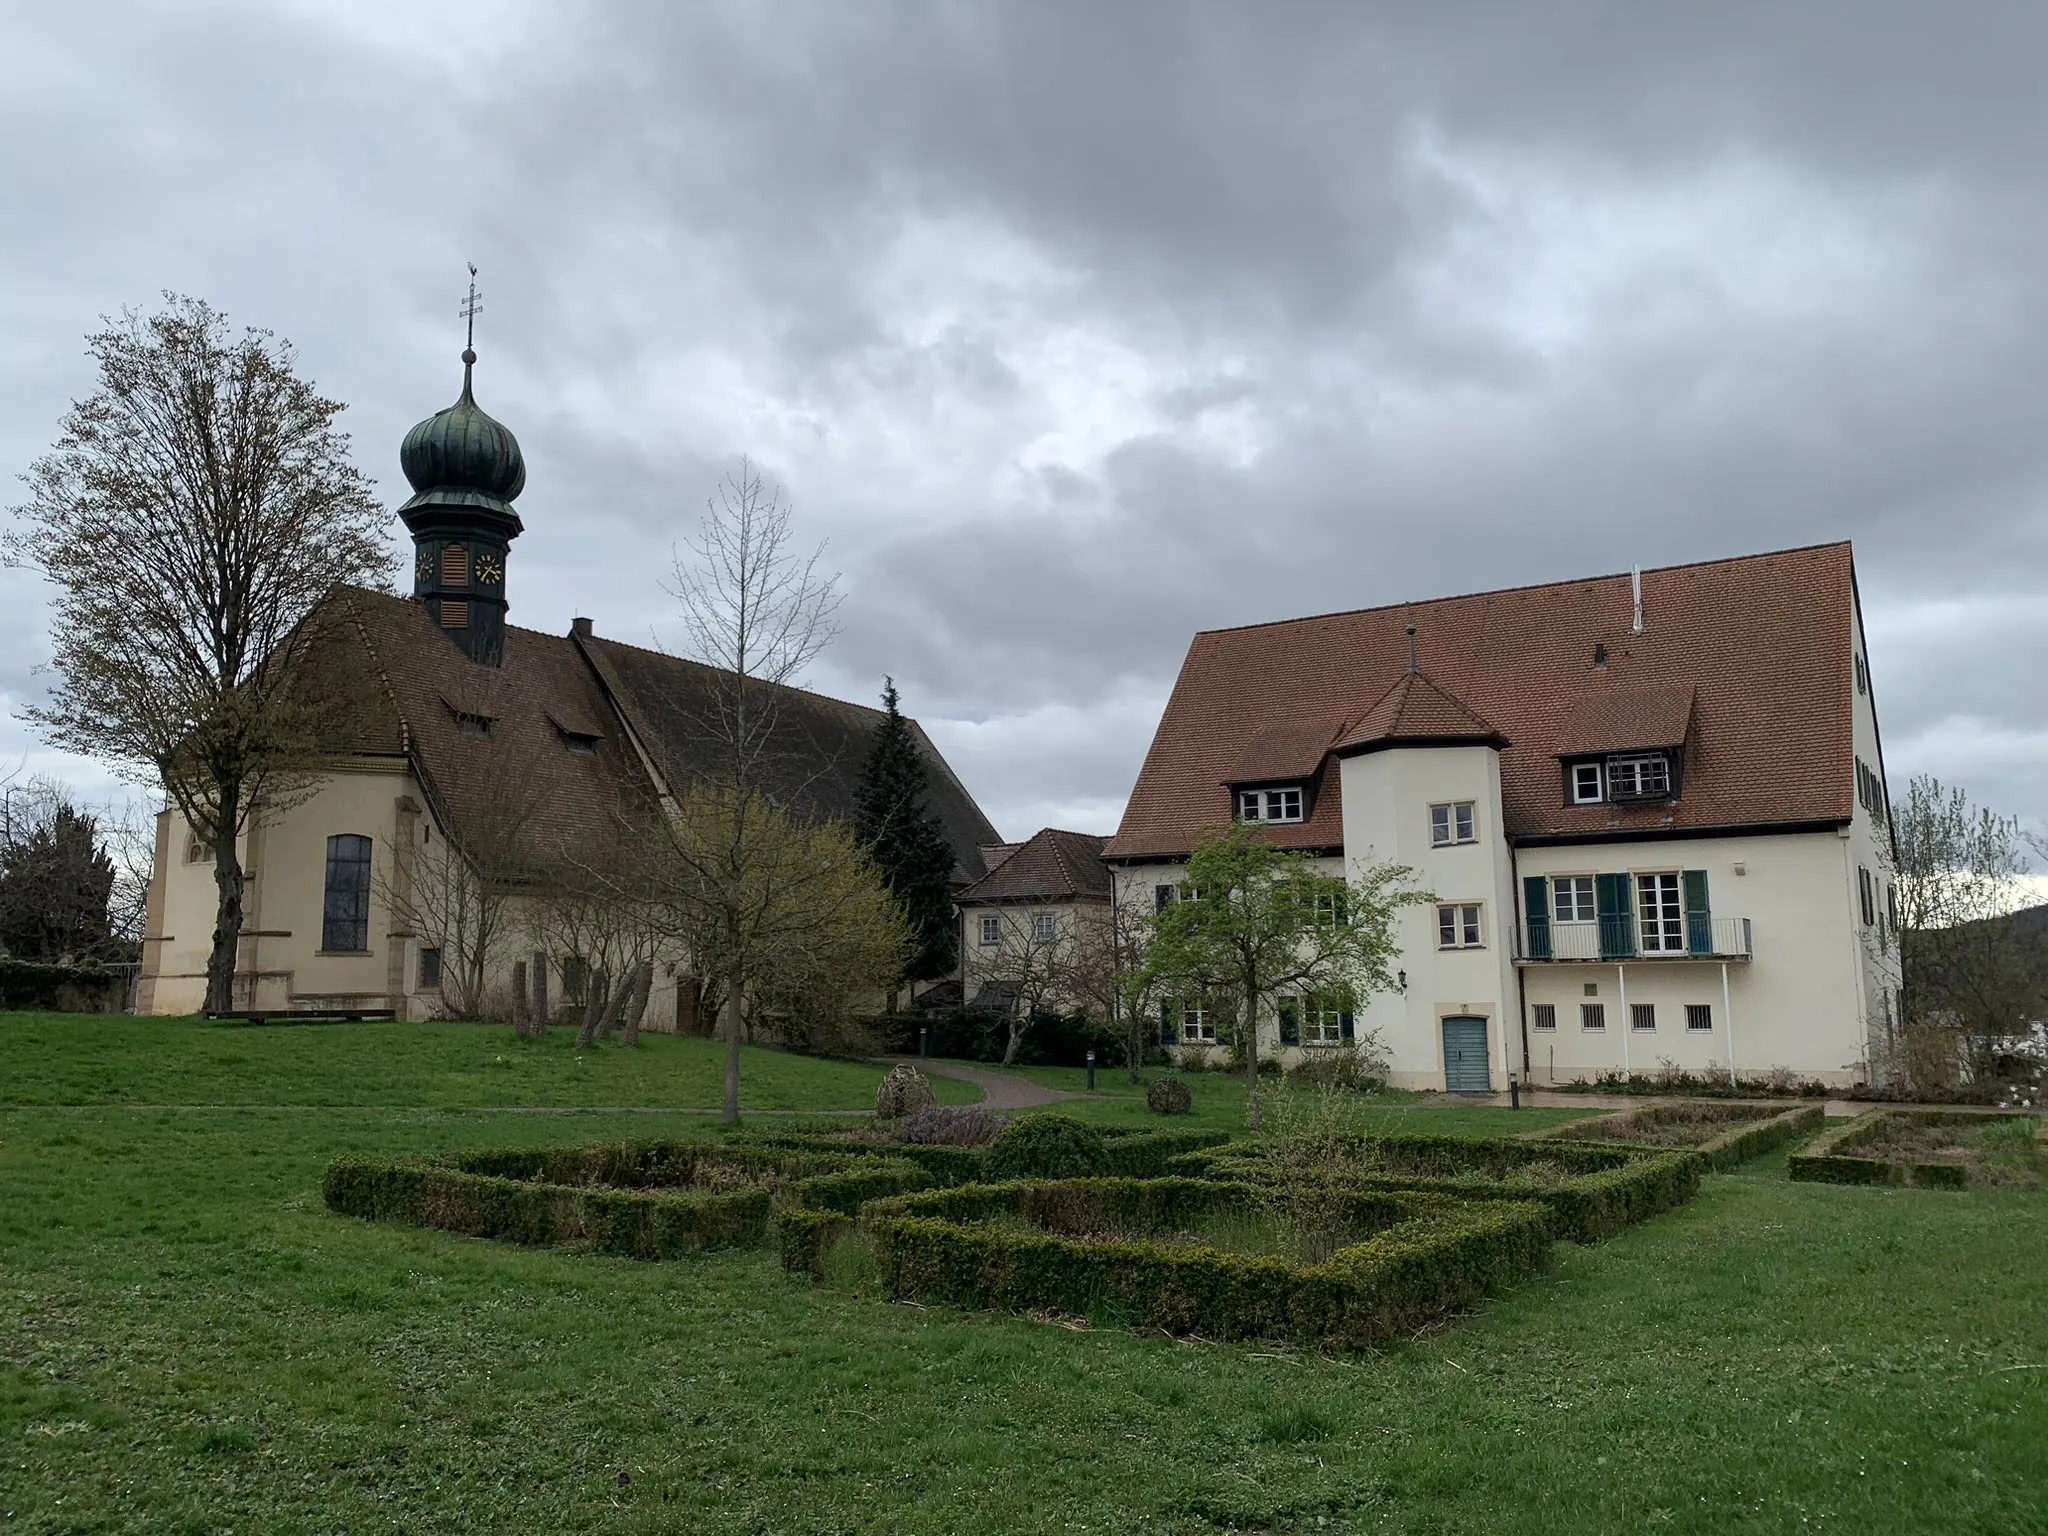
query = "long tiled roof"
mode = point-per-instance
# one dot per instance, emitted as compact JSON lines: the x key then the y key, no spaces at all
{"x":1052,"y":866}
{"x":556,"y":757}
{"x":1750,"y":656}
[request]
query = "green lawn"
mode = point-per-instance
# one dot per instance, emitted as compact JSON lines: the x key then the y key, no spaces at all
{"x":189,"y":1341}
{"x":54,"y":1058}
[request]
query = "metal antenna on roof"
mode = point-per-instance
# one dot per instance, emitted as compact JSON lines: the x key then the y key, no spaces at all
{"x":1635,"y":592}
{"x":1413,"y":667}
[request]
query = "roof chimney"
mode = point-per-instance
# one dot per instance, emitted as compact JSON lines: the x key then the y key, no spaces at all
{"x":1635,"y":589}
{"x":581,"y":629}
{"x":1412,"y":666}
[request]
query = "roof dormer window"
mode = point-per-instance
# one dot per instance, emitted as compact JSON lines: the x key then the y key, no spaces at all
{"x":1270,"y":805}
{"x":1639,"y":776}
{"x":1588,"y":784}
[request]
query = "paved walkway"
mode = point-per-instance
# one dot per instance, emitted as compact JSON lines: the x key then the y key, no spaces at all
{"x":1000,"y":1090}
{"x":1616,"y":1103}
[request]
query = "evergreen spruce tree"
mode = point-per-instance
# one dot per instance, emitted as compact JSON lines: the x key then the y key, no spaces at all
{"x":907,"y":843}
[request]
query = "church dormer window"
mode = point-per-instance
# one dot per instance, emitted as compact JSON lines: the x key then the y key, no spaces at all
{"x":454,"y":565}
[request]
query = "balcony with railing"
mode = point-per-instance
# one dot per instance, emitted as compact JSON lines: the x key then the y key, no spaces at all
{"x":1697,"y":936}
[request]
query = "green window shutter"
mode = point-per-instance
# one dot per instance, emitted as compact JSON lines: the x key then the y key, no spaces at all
{"x":1617,"y":917}
{"x":1699,"y":917}
{"x":1290,"y":1021}
{"x":1536,"y":896}
{"x":1166,"y":1030}
{"x":1225,"y":1015}
{"x":1162,"y":897}
{"x":1344,"y":1024}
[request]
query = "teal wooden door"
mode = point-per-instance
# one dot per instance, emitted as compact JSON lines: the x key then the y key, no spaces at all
{"x":1465,"y":1066}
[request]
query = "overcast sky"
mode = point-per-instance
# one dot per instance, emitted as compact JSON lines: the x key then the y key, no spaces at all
{"x":1077,"y":327}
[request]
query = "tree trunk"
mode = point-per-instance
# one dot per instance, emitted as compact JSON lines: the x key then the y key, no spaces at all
{"x":540,"y":994}
{"x":729,"y":1111}
{"x":1248,"y":1030}
{"x":227,"y":919}
{"x":643,"y":988}
{"x":629,"y":984}
{"x":519,"y":1009}
{"x":1017,"y":1027}
{"x":599,"y":992}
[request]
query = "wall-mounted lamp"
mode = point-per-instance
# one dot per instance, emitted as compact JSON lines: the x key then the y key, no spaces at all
{"x":1400,"y":981}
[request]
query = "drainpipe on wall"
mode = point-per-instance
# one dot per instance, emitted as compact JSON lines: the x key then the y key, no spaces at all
{"x":1728,"y":1022}
{"x":1621,"y":974}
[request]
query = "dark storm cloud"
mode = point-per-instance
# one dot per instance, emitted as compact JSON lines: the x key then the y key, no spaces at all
{"x":1079,"y":327}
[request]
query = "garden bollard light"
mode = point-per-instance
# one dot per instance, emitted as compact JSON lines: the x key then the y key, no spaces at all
{"x":1514,"y":1091}
{"x":921,"y":1033}
{"x":1091,"y":1071}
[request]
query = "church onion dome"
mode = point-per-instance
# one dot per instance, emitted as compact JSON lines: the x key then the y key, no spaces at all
{"x":462,"y":457}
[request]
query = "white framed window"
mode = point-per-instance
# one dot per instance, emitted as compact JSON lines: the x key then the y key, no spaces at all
{"x":1330,"y":911}
{"x":1699,"y":1016}
{"x":1269,"y":805}
{"x":1660,"y":910}
{"x":1321,"y":1025}
{"x":1592,"y":1016}
{"x":1196,"y":1026}
{"x":1642,"y":1017}
{"x":991,"y":931}
{"x":1545,"y":1016}
{"x":1571,"y":899}
{"x":1452,"y":824}
{"x":1588,"y":784}
{"x":1457,"y":926}
{"x":1642,"y":777}
{"x":1044,"y":927}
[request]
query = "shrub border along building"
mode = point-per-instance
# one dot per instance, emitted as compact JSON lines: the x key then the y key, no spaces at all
{"x":568,"y":1196}
{"x":1742,"y":1140}
{"x":1435,"y":1256}
{"x":1619,"y":1186}
{"x":1821,"y":1161}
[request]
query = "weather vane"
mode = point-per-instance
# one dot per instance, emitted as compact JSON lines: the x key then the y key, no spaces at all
{"x":471,"y":308}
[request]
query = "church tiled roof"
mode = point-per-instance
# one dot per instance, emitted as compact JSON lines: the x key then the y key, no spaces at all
{"x":1051,"y":866}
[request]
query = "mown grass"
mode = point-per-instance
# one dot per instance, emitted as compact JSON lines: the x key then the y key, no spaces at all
{"x":55,"y":1058}
{"x":190,"y":1342}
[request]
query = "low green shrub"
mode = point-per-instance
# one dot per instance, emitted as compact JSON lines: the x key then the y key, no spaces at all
{"x":1047,"y":1147}
{"x":59,"y":988}
{"x":1042,"y":1245}
{"x":1879,"y":1147}
{"x":811,"y":1213}
{"x":1739,"y":1140}
{"x":630,"y":1223}
{"x":1592,"y":1192}
{"x":1145,"y":1154}
{"x":1168,"y":1096}
{"x":1129,"y":1151}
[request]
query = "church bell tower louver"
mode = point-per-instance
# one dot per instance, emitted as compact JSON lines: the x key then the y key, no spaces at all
{"x":466,"y":470}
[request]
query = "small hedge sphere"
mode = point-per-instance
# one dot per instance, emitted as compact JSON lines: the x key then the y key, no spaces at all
{"x":1047,"y":1147}
{"x":1169,"y":1096}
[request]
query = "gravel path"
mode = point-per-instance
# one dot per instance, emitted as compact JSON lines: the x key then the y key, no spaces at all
{"x":1000,"y":1090}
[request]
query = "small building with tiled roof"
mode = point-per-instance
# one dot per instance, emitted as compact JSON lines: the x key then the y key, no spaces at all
{"x":1650,"y":807}
{"x":1031,"y":921}
{"x":477,"y":771}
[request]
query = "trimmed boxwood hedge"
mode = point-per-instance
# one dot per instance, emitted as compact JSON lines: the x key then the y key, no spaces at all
{"x":1427,"y":1256}
{"x":1610,"y":1187}
{"x":1743,"y":1140}
{"x":1831,"y":1157}
{"x":631,"y":1223}
{"x":810,"y":1214}
{"x":1130,"y":1152}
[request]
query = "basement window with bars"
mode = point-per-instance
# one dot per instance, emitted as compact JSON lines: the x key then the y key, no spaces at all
{"x":1699,"y":1016}
{"x":1642,"y":1017}
{"x":1592,"y":1015}
{"x":1546,"y":1016}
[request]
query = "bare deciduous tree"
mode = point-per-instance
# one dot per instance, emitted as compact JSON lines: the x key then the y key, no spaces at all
{"x":1031,"y":962}
{"x":193,"y":513}
{"x":758,"y":613}
{"x":1106,"y":975}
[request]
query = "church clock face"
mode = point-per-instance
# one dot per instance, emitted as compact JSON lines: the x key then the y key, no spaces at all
{"x":426,"y":566}
{"x":490,"y":570}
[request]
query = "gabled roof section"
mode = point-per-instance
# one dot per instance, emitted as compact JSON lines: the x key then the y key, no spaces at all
{"x":1052,"y":865}
{"x":1762,"y":642}
{"x":1416,"y":712}
{"x":1619,"y":719}
{"x":1283,"y":752}
{"x":813,"y":759}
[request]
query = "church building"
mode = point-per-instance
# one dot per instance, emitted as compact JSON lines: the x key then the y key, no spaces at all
{"x":479,"y":770}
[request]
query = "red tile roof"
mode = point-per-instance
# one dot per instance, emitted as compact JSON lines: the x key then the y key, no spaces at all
{"x":1050,"y":866}
{"x":1756,"y":650}
{"x":1415,"y":710}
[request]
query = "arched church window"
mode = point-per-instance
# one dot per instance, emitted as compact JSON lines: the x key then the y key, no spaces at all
{"x":345,"y":915}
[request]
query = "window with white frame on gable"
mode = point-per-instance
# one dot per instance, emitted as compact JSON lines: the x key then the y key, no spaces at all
{"x":1270,"y":805}
{"x":1044,"y":927}
{"x":1452,"y":824}
{"x":1660,"y":914}
{"x":1588,"y":785}
{"x":1457,"y":925}
{"x":991,"y":930}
